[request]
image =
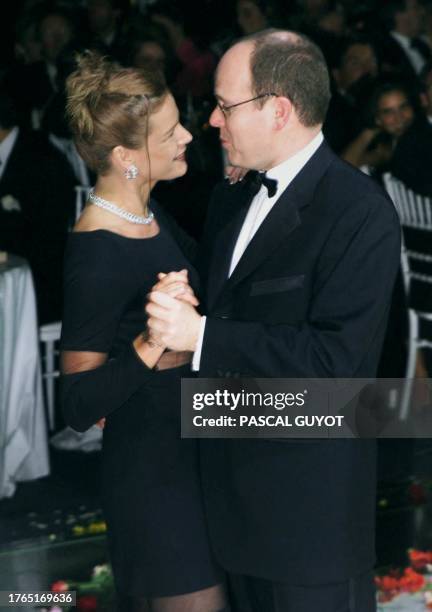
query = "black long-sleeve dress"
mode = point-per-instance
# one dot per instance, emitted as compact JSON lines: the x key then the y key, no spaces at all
{"x":151,"y":489}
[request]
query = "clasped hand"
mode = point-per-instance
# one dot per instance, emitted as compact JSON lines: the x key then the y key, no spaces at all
{"x":173,"y":321}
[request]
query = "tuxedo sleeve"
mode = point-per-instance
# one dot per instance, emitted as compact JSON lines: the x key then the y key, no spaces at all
{"x":349,"y":305}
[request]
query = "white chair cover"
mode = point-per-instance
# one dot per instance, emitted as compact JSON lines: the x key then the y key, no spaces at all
{"x":23,"y":437}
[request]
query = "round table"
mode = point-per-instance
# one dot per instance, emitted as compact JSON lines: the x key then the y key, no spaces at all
{"x":23,"y":435}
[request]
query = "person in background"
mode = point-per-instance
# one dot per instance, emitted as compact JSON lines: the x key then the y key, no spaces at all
{"x":392,"y":112}
{"x":150,"y":49}
{"x":40,"y":81}
{"x":252,"y":15}
{"x":104,"y":21}
{"x":197,"y":62}
{"x":354,"y":72}
{"x":412,"y":155}
{"x":36,"y":206}
{"x":401,"y":51}
{"x":426,"y":93}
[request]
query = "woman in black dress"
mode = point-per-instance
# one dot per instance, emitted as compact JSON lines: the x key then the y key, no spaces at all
{"x":126,"y":127}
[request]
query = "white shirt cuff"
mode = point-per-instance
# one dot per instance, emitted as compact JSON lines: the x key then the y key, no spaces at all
{"x":196,"y":359}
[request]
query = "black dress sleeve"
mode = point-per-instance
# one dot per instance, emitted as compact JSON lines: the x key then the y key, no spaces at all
{"x":88,"y":396}
{"x":96,"y":292}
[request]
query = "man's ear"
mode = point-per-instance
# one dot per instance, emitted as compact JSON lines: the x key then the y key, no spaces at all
{"x":283,"y":110}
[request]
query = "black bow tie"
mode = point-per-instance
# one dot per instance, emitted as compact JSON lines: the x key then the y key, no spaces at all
{"x":256,"y":179}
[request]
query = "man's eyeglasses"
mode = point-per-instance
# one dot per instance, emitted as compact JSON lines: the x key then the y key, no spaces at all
{"x":226,"y":110}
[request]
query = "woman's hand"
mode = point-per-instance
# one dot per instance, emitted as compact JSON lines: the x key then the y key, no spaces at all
{"x":234,"y":174}
{"x":176,"y":285}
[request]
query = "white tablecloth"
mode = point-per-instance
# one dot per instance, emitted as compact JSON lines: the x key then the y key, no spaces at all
{"x":23,"y":436}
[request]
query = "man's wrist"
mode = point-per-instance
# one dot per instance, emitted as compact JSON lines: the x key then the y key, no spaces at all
{"x":196,"y":359}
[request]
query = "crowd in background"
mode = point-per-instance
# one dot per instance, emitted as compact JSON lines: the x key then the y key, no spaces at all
{"x":379,"y":55}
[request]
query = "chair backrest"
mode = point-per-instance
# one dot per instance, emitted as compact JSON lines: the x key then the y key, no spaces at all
{"x":415,"y":214}
{"x":414,"y":209}
{"x":81,"y":195}
{"x":49,"y":335}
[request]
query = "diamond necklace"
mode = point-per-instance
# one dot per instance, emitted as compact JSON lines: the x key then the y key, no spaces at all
{"x":120,"y":212}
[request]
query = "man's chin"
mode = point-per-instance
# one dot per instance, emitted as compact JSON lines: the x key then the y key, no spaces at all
{"x":232,"y":158}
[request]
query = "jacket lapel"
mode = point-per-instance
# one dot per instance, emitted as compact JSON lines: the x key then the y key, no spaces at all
{"x":223,"y":250}
{"x":281,"y":221}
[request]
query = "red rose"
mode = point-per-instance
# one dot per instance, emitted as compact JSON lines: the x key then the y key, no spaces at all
{"x":387,"y":583}
{"x":86,"y":603}
{"x":419,"y":559}
{"x":60,"y":586}
{"x":411,"y":581}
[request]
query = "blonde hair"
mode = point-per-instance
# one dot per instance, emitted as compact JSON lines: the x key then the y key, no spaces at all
{"x":108,"y":105}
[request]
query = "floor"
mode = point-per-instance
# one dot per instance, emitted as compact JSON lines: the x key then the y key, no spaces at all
{"x":53,"y":528}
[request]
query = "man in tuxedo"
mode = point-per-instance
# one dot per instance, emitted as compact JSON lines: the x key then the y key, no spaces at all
{"x":401,"y":52}
{"x":354,"y":76}
{"x":299,"y":277}
{"x":36,"y":206}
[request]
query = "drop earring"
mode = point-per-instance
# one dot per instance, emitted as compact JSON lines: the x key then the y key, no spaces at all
{"x":131,"y":172}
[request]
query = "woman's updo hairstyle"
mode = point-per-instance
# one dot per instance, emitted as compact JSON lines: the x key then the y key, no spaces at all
{"x":108,"y":105}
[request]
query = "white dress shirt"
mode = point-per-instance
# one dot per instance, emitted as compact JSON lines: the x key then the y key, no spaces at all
{"x":415,"y":57}
{"x":6,"y":146}
{"x":260,"y":207}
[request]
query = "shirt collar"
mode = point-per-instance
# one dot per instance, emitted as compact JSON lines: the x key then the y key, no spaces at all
{"x":404,"y":41}
{"x":285,"y":172}
{"x":7,"y":145}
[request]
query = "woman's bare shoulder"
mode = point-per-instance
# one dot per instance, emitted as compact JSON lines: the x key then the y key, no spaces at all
{"x":92,"y":219}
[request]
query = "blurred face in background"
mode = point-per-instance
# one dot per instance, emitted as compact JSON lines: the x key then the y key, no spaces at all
{"x":333,"y":21}
{"x":409,"y":22}
{"x":314,"y":8}
{"x":394,"y":113}
{"x":358,"y":61}
{"x":55,"y":34}
{"x":28,"y":46}
{"x":102,"y":16}
{"x":150,"y":55}
{"x":250,"y":17}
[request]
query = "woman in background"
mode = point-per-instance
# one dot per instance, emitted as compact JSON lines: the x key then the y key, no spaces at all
{"x":126,"y":127}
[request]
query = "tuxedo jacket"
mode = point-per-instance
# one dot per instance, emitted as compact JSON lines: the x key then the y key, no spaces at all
{"x":309,"y":298}
{"x":41,"y":185}
{"x":394,"y":62}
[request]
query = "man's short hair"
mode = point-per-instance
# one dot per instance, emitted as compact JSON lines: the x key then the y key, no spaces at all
{"x":291,"y":65}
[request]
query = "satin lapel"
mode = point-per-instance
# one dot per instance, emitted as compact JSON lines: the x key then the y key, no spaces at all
{"x":280,"y":222}
{"x":285,"y":216}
